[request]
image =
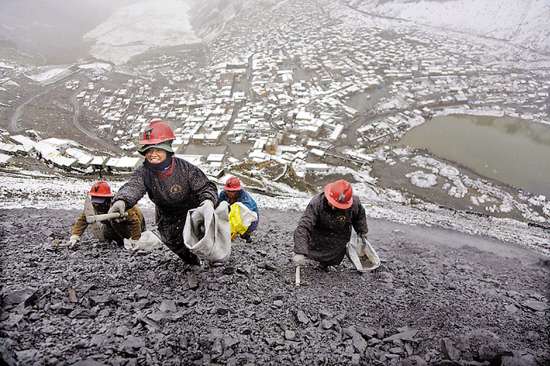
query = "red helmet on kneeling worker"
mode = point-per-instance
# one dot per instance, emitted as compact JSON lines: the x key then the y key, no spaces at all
{"x":232,"y":184}
{"x":339,"y":194}
{"x":100,"y":192}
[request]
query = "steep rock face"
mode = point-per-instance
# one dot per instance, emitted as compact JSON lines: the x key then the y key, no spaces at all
{"x":524,"y":23}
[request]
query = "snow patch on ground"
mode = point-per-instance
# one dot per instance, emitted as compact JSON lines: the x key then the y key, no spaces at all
{"x":11,"y":83}
{"x":97,"y":66}
{"x":524,"y":23}
{"x":139,"y":27}
{"x":48,"y":75}
{"x":510,"y":54}
{"x":69,"y":193}
{"x":457,"y":189}
{"x":422,"y":179}
{"x":470,"y":112}
{"x":6,"y":66}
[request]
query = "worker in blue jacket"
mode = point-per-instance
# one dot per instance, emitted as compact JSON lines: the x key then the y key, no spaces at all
{"x":234,"y":192}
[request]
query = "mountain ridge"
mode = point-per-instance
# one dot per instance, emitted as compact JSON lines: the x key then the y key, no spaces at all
{"x":522,"y":23}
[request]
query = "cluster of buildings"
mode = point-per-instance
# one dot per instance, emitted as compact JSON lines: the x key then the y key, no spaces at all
{"x":290,"y":89}
{"x":294,"y":85}
{"x":61,"y":153}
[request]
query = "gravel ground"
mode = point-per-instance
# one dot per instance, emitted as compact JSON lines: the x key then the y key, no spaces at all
{"x":440,"y":297}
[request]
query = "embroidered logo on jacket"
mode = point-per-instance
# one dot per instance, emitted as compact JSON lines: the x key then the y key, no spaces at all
{"x":341,"y":219}
{"x":176,"y":188}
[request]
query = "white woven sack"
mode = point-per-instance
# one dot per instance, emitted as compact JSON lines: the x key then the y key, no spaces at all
{"x":247,"y":215}
{"x":207,"y":234}
{"x":146,"y":243}
{"x":362,"y":254}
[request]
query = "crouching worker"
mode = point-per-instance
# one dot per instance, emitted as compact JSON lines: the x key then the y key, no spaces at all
{"x":174,"y":185}
{"x":325,"y":227}
{"x":234,"y":192}
{"x":98,"y":203}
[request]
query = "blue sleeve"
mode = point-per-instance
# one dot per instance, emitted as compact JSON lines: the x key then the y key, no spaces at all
{"x":222,"y":197}
{"x":248,"y":201}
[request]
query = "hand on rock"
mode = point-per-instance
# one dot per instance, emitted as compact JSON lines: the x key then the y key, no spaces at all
{"x":73,"y":241}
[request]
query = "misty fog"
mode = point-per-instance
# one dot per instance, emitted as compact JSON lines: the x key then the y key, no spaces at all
{"x":53,"y":28}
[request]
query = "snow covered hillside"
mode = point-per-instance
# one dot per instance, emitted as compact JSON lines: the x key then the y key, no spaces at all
{"x":136,"y":28}
{"x":150,"y":24}
{"x":53,"y":192}
{"x":523,"y":23}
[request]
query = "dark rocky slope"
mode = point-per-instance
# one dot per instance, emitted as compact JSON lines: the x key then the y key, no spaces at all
{"x":440,"y":297}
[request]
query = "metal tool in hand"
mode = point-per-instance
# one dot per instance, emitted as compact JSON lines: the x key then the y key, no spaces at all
{"x":105,"y":217}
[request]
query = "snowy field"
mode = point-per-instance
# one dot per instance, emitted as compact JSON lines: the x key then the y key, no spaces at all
{"x":51,"y":192}
{"x":139,"y":27}
{"x":49,"y":74}
{"x":522,"y":23}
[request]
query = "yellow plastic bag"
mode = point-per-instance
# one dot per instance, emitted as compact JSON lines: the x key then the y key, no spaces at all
{"x":236,"y":223}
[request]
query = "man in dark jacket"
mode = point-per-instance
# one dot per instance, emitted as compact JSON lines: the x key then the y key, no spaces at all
{"x":325,"y":227}
{"x":174,"y":185}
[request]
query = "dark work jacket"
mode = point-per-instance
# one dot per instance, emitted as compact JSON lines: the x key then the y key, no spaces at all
{"x":181,"y":187}
{"x":323,"y":232}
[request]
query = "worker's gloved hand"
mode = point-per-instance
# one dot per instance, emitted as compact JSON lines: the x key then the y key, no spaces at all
{"x":207,"y":203}
{"x":118,"y":207}
{"x":73,"y":241}
{"x":299,"y":259}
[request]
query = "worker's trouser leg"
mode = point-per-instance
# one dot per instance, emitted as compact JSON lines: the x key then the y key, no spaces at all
{"x":171,"y":232}
{"x":111,"y":235}
{"x":246,"y":235}
{"x":325,"y":263}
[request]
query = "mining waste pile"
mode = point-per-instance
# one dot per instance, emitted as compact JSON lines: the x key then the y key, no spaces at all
{"x":439,"y":298}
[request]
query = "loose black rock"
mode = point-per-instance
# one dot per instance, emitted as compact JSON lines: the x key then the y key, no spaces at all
{"x":152,"y":309}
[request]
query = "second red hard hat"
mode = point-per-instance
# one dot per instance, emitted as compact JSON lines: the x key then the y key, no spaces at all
{"x":101,"y":189}
{"x":232,"y":184}
{"x":339,"y":194}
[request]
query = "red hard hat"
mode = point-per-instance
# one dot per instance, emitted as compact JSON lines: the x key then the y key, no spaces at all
{"x":232,"y":184}
{"x":339,"y":194}
{"x":157,"y":132}
{"x":101,"y":189}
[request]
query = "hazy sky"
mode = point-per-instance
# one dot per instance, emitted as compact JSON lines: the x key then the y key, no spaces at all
{"x":53,"y":28}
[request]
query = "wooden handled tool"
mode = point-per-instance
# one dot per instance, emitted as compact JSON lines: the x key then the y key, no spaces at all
{"x":109,"y":216}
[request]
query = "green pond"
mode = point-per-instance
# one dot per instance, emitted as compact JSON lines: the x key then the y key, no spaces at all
{"x":510,"y":150}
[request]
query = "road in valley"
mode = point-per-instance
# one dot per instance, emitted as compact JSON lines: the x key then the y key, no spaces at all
{"x":77,"y":125}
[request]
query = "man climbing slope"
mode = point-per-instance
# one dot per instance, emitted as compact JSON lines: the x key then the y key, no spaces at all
{"x":325,"y":227}
{"x":174,"y":185}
